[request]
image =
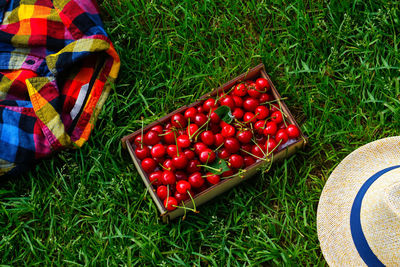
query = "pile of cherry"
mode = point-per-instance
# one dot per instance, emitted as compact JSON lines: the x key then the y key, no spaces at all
{"x":206,"y":143}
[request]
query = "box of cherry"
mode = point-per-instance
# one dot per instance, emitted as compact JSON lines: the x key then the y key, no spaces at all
{"x":201,"y":150}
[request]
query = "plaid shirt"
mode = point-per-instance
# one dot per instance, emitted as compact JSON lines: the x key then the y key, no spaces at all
{"x":56,"y":66}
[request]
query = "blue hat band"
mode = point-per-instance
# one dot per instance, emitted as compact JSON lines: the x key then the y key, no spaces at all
{"x":359,"y":239}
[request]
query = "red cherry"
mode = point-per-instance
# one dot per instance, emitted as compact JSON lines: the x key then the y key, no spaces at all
{"x":281,"y":136}
{"x":200,"y":109}
{"x":178,"y":120}
{"x":155,"y":178}
{"x":200,"y":119}
{"x":212,"y":178}
{"x":236,"y":161}
{"x":180,"y":161}
{"x":293,"y":131}
{"x":170,"y":203}
{"x":207,"y":137}
{"x":168,"y":126}
{"x":180,"y":175}
{"x":157,"y":128}
{"x":207,"y":156}
{"x":151,"y":138}
{"x":250,"y":104}
{"x":138,"y":140}
{"x":270,"y":145}
{"x":257,"y":151}
{"x":238,"y":100}
{"x":240,"y":90}
{"x":270,"y":128}
{"x":274,"y":107}
{"x":214,"y":128}
{"x":172,"y":151}
{"x":249,"y":117}
{"x":261,"y":139}
{"x":219,"y":140}
{"x":232,"y":144}
{"x":159,"y":160}
{"x":227,"y":101}
{"x":238,"y":113}
{"x":222,"y":124}
{"x":228,"y":173}
{"x":181,"y":197}
{"x":246,"y":148}
{"x":189,"y":154}
{"x":169,"y":165}
{"x":253,"y":90}
{"x":199,"y":147}
{"x":142,"y":152}
{"x":162,"y":192}
{"x":148,"y":165}
{"x":263,"y":84}
{"x":228,"y":130}
{"x":259,"y":126}
{"x":209,"y":104}
{"x":192,"y":129}
{"x":183,"y":141}
{"x":214,"y":118}
{"x":183,"y":186}
{"x":158,"y":151}
{"x":193,"y":166}
{"x":261,"y":112}
{"x":223,"y":153}
{"x":265,"y":98}
{"x":169,"y":137}
{"x":248,"y":160}
{"x":190,"y":113}
{"x":244,"y":136}
{"x":196,"y":180}
{"x":168,"y":177}
{"x":277,"y":117}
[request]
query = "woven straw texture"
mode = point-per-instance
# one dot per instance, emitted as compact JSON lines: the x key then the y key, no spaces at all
{"x":380,"y":208}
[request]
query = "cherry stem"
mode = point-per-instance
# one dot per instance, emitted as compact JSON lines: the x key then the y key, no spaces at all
{"x":186,"y":208}
{"x":276,"y":147}
{"x":270,"y":165}
{"x":236,"y":174}
{"x":194,"y":203}
{"x":264,"y":159}
{"x":179,"y":124}
{"x":200,"y":128}
{"x":240,"y":123}
{"x":176,"y":142}
{"x":162,"y":166}
{"x":167,"y":196}
{"x":262,"y":150}
{"x":215,"y":150}
{"x":283,"y":113}
{"x":141,"y":142}
{"x":255,"y":115}
{"x":211,"y":168}
{"x":273,"y":101}
{"x":267,"y":143}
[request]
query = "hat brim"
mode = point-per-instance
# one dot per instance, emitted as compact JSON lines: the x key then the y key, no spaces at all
{"x":339,"y":193}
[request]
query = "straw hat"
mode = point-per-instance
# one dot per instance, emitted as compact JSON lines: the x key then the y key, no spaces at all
{"x":358,"y":217}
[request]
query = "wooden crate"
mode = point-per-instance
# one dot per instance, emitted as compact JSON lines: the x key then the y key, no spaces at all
{"x":225,"y":184}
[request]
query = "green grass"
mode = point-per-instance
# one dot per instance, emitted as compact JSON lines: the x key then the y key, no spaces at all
{"x":337,"y":62}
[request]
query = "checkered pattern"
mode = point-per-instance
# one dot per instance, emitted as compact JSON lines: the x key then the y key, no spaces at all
{"x":56,"y":68}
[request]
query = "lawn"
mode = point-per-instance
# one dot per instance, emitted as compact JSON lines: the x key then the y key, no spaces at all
{"x":336,"y":62}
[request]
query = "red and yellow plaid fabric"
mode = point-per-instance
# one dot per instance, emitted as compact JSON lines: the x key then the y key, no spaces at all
{"x":56,"y":69}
